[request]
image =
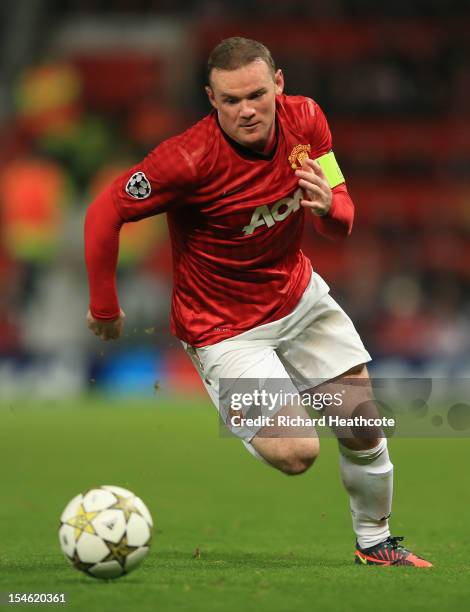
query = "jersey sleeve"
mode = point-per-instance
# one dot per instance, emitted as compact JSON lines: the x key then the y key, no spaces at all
{"x":339,"y":220}
{"x":102,"y":226}
{"x":166,"y":179}
{"x":317,"y":129}
{"x":161,"y":181}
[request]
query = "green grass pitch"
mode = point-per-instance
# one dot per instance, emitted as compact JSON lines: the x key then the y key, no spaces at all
{"x":231,"y":534}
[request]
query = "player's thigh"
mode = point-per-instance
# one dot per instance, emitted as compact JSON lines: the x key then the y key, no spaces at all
{"x":325,"y":348}
{"x":327,"y":357}
{"x":246,"y":381}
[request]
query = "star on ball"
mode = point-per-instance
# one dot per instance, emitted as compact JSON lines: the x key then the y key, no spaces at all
{"x":126,"y":504}
{"x":120,"y":551}
{"x":82,"y":522}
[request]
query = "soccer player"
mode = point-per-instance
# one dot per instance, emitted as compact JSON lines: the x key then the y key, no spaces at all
{"x":237,"y":188}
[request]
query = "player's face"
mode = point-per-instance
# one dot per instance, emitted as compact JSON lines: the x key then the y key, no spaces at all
{"x":245,"y":100}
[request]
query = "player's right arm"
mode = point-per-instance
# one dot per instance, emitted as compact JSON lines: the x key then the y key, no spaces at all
{"x":102,"y":227}
{"x":150,"y":188}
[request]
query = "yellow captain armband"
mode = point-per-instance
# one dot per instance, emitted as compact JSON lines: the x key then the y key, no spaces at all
{"x":330,"y":168}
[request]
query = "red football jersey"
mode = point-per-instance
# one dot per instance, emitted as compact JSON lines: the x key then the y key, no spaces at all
{"x":235,"y":222}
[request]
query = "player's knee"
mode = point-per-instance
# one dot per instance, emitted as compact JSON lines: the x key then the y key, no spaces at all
{"x":299,"y":455}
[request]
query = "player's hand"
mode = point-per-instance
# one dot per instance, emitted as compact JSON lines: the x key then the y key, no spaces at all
{"x":106,"y":330}
{"x":317,"y":193}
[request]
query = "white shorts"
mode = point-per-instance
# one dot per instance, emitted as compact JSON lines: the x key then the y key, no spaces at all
{"x":316,"y":342}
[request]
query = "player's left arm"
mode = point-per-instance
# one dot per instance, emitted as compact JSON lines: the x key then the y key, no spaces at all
{"x":321,"y":179}
{"x":328,"y":200}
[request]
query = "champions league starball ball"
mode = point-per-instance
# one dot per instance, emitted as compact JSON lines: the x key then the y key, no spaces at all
{"x":105,"y":532}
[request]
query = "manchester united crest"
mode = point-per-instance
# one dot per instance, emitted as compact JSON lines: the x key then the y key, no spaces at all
{"x":298,"y":154}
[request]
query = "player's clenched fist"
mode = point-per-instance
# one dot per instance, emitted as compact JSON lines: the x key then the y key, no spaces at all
{"x":106,"y":330}
{"x":317,"y":192}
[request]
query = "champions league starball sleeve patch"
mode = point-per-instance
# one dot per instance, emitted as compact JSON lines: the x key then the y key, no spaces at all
{"x":138,"y":186}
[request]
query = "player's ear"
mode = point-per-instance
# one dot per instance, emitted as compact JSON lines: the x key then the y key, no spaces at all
{"x":210,"y":95}
{"x":279,"y":82}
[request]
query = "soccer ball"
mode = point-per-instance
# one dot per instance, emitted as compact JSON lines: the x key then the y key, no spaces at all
{"x":105,"y":532}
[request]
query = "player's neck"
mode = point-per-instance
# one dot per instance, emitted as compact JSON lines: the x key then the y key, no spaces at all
{"x":267,"y":148}
{"x":271,"y":142}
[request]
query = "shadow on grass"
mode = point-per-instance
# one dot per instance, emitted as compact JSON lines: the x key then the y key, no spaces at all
{"x":241,"y":560}
{"x":175,"y":559}
{"x":168,"y":565}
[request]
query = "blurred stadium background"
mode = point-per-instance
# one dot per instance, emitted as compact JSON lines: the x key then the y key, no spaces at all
{"x":89,"y":87}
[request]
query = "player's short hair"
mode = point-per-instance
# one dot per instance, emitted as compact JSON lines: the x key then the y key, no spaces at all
{"x":236,"y":52}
